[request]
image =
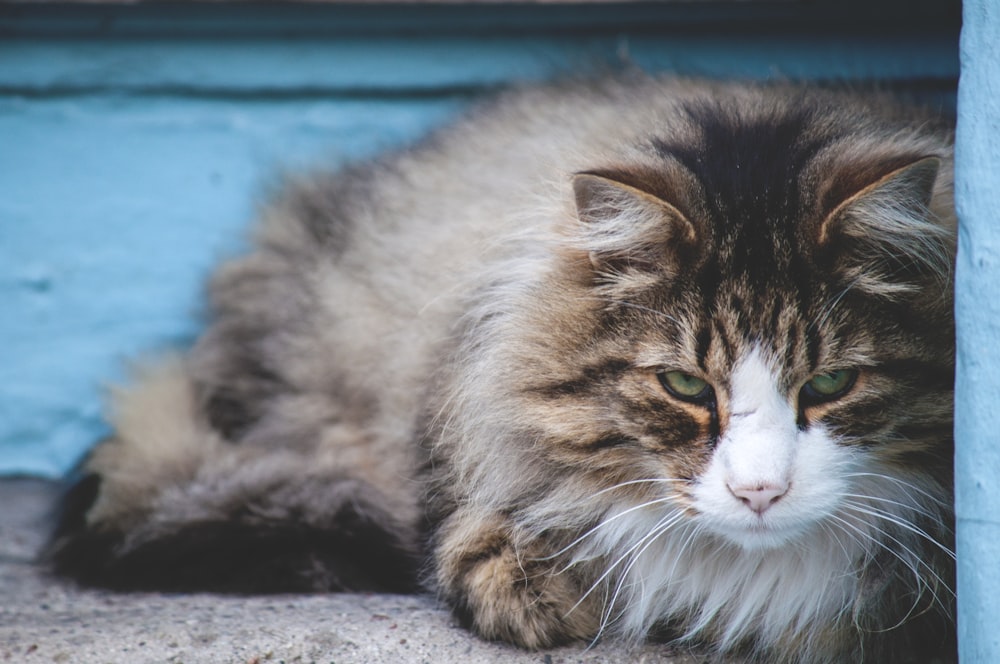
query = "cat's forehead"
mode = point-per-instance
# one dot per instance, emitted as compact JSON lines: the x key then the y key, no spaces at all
{"x":752,"y":176}
{"x":714,"y":322}
{"x":748,"y":160}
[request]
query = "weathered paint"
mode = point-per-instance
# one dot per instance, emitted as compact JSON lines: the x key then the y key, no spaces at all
{"x":112,"y":210}
{"x":134,"y":143}
{"x":977,"y":397}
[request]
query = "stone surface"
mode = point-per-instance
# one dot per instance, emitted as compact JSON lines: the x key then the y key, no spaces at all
{"x":43,"y":619}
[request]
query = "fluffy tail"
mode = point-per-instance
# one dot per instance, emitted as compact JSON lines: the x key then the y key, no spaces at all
{"x":168,"y":504}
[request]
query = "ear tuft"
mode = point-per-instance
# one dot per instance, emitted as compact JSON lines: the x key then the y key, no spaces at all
{"x":626,"y":228}
{"x":884,"y":237}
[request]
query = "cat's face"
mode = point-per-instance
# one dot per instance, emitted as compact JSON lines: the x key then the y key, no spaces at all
{"x":769,"y":477}
{"x":769,"y":342}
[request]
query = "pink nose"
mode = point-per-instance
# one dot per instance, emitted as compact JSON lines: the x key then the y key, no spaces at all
{"x":760,"y":498}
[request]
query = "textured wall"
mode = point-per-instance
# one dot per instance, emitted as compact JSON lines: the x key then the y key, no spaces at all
{"x":135,"y":143}
{"x":977,"y":416}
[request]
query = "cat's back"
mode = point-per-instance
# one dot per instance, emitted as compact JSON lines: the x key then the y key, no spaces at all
{"x":373,"y":266}
{"x":424,"y":225}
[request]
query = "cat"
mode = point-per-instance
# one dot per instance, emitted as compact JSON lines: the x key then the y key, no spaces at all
{"x":641,"y":358}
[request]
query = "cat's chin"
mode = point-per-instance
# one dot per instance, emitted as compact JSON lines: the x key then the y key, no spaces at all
{"x":760,"y":537}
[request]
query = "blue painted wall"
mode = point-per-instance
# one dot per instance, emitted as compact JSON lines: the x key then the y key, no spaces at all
{"x":977,"y":417}
{"x":136,"y":141}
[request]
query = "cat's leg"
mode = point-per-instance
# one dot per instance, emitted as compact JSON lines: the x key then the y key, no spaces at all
{"x":168,"y":503}
{"x":508,"y":588}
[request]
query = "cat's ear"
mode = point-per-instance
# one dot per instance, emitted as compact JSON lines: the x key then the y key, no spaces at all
{"x":626,"y":228}
{"x":884,"y":236}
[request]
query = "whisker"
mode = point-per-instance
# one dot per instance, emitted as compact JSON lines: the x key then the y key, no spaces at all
{"x":831,"y":305}
{"x":897,"y":521}
{"x":662,"y":525}
{"x":651,"y":480}
{"x":896,"y":480}
{"x":833,"y":534}
{"x":914,"y":508}
{"x":902,"y":546}
{"x":665,"y":522}
{"x":605,"y":522}
{"x":692,"y":535}
{"x":909,"y":565}
{"x":921,"y":582}
{"x":841,"y":525}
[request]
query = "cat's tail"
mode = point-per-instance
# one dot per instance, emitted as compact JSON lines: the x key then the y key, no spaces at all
{"x":168,"y":504}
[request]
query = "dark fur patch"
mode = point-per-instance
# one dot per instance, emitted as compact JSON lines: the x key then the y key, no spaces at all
{"x":357,"y":547}
{"x":751,"y":166}
{"x":236,"y":558}
{"x":931,"y":375}
{"x":703,"y":343}
{"x":322,"y":203}
{"x":74,"y":505}
{"x":234,"y":376}
{"x":232,"y":411}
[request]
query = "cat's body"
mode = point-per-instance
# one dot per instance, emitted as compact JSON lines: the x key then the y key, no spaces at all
{"x":654,"y":358}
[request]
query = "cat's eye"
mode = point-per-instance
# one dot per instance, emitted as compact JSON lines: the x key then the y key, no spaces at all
{"x":685,"y":386}
{"x":829,"y":386}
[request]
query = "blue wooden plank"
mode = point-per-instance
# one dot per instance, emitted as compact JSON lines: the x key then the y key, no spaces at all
{"x":371,"y":64}
{"x":977,"y":309}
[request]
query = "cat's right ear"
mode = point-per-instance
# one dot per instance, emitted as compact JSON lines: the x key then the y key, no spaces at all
{"x":625,"y":228}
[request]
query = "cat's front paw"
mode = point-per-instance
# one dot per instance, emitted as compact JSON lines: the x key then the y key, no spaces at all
{"x":512,"y":593}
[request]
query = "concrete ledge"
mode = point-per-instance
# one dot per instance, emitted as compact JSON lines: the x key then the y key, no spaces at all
{"x":49,"y":620}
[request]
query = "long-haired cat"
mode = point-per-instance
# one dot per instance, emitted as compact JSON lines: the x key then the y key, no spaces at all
{"x":648,"y":359}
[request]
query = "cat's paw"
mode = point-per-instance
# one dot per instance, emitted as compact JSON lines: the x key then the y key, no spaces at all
{"x":516,"y":594}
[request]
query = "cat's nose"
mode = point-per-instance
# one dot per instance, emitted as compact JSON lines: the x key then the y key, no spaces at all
{"x":759,"y":498}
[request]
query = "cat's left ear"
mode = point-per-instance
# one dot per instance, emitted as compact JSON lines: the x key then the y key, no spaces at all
{"x":885,"y":234}
{"x":626,"y":228}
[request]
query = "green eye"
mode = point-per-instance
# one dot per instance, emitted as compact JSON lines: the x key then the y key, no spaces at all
{"x":829,"y":386}
{"x":685,"y":386}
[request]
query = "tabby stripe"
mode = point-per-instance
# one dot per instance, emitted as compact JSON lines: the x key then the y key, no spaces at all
{"x":611,"y":440}
{"x":703,"y":343}
{"x":589,"y":376}
{"x":727,"y":347}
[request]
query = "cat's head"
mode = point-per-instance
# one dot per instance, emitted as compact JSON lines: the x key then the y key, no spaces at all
{"x":755,"y":320}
